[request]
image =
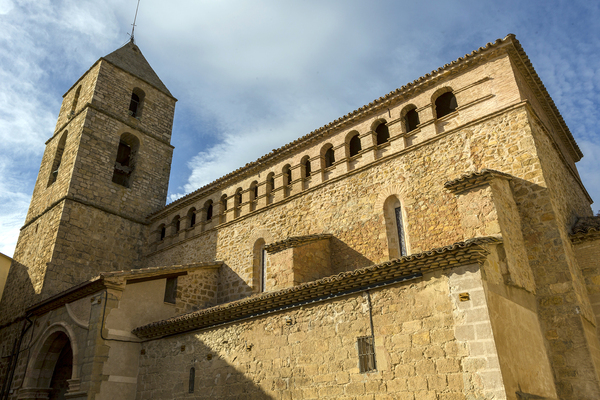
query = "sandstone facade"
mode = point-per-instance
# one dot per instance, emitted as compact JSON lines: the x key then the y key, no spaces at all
{"x":435,"y":244}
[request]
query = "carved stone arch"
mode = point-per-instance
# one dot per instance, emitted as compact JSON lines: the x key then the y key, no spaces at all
{"x":409,"y":122}
{"x":440,"y":92}
{"x":57,"y":343}
{"x":434,"y":100}
{"x":350,"y":152}
{"x":377,"y":122}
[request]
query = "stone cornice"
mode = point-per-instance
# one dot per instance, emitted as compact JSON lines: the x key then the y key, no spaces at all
{"x":462,"y":253}
{"x":474,"y":179}
{"x":295,"y":242}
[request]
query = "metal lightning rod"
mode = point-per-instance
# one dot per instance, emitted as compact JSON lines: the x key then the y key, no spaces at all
{"x":134,"y":19}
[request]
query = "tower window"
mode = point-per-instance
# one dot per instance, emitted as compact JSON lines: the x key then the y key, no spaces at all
{"x":125,"y":162}
{"x":75,"y":100}
{"x":411,"y":120}
{"x":445,"y":104}
{"x":192,"y":217}
{"x":60,"y":148}
{"x":355,"y":147}
{"x":383,"y":133}
{"x":135,"y":105}
{"x":400,"y":228}
{"x":163,"y":232}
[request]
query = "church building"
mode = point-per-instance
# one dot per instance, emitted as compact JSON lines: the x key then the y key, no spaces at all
{"x":435,"y":244}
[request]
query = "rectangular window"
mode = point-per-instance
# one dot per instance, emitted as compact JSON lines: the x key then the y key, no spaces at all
{"x":366,"y":354}
{"x":171,"y":290}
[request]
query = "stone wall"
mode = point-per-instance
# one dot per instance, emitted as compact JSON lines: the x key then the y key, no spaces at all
{"x":426,"y":345}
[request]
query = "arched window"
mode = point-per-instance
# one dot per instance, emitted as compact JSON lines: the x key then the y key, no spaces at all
{"x":223,"y":211}
{"x":287,"y":180}
{"x":75,"y":100}
{"x":306,"y":170}
{"x":445,"y":104}
{"x":253,"y":195}
{"x":237,"y":201}
{"x":329,"y":157}
{"x":208,"y":206}
{"x":191,"y":380}
{"x":136,"y":103}
{"x":411,"y":119}
{"x":394,"y":222}
{"x":259,"y":273}
{"x":270,"y":185}
{"x":126,"y":158}
{"x":162,"y":232}
{"x":354,"y":145}
{"x":176,"y":224}
{"x":383,"y":133}
{"x":191,"y":217}
{"x":60,"y":149}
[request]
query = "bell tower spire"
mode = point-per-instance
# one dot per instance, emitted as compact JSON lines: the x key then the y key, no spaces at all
{"x":105,"y":168}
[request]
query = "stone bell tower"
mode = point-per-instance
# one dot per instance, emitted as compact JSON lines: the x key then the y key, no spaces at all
{"x":105,"y":168}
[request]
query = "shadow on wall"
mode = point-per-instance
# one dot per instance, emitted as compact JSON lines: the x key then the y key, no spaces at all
{"x":21,"y":294}
{"x":345,"y":258}
{"x":191,"y":369}
{"x":231,"y":286}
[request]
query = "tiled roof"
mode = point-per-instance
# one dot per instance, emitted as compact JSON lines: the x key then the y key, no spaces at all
{"x":384,"y":101}
{"x":586,"y":228}
{"x":461,"y":253}
{"x":130,"y":59}
{"x":474,"y":179}
{"x":295,"y":242}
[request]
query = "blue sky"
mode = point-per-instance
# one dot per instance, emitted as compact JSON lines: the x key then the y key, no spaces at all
{"x":252,"y":76}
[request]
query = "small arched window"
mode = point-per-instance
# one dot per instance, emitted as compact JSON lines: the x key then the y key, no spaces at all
{"x":209,"y":210}
{"x":411,"y":119}
{"x":237,"y":201}
{"x":329,"y":157}
{"x":60,"y":149}
{"x":176,"y":224}
{"x":306,"y":169}
{"x":383,"y":133}
{"x":287,"y":179}
{"x":223,"y":211}
{"x":126,"y":158}
{"x":192,"y":380}
{"x":191,"y":217}
{"x":253,"y":195}
{"x":136,"y":103}
{"x":162,"y":232}
{"x":354,"y":145}
{"x":75,"y":100}
{"x":270,"y":183}
{"x":445,"y":104}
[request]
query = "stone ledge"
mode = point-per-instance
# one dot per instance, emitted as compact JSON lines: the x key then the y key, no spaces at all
{"x":474,"y":179}
{"x":398,"y":270}
{"x":295,"y":242}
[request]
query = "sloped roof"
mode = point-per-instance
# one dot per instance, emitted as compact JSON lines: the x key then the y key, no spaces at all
{"x":130,"y":59}
{"x":586,"y":228}
{"x":472,"y":251}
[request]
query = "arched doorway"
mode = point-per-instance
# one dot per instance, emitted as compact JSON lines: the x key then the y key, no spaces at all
{"x":51,"y":368}
{"x":63,"y":370}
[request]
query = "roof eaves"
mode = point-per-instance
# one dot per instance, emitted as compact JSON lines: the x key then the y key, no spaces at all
{"x":461,"y":253}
